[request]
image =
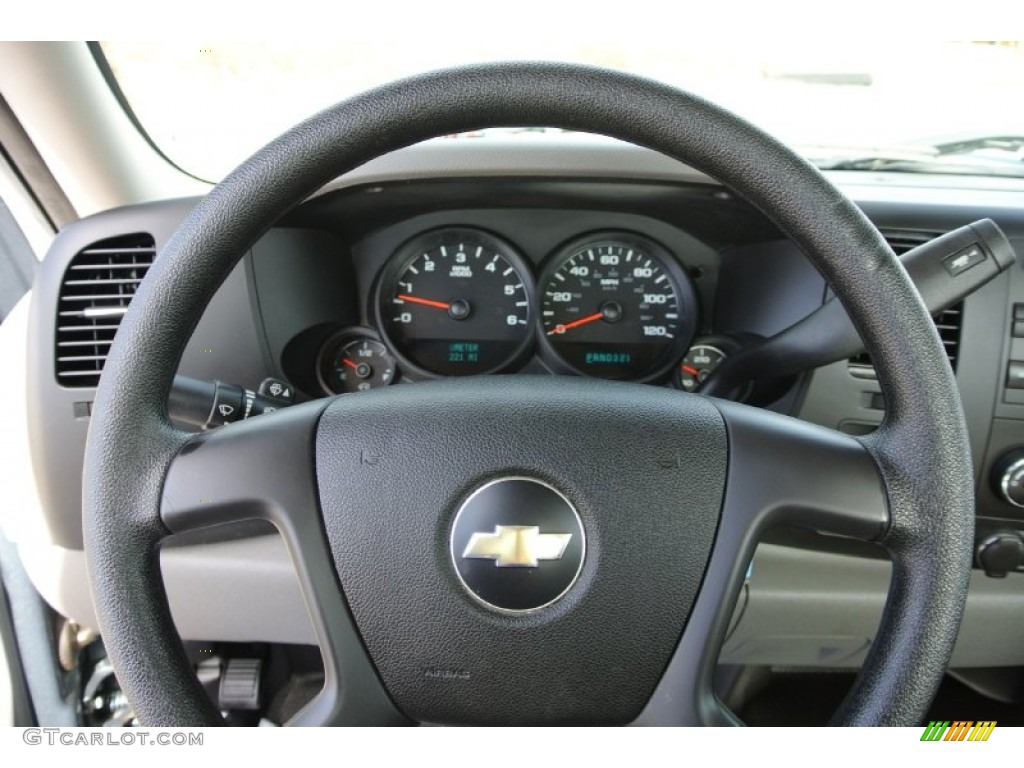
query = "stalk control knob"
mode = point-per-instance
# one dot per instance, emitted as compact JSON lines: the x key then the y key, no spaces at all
{"x":1000,"y":554}
{"x":1008,"y":478}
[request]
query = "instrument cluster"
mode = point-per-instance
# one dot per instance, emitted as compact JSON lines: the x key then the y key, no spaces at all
{"x":461,"y":301}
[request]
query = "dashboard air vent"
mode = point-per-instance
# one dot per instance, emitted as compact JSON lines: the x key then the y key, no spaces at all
{"x":94,"y":295}
{"x":947,"y":322}
{"x":902,"y":241}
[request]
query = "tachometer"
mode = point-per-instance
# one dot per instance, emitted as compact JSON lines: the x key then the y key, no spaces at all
{"x":456,"y":302}
{"x":616,"y":306}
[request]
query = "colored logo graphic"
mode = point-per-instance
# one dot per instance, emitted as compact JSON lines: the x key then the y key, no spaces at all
{"x":958,"y":730}
{"x":517,"y":546}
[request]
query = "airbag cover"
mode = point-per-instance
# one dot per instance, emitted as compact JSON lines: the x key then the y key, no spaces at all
{"x":644,"y":467}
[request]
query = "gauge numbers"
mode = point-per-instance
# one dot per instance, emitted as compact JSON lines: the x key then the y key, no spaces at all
{"x":457,"y":302}
{"x":616,"y":307}
{"x":697,"y":365}
{"x":362,"y":364}
{"x":353,"y":360}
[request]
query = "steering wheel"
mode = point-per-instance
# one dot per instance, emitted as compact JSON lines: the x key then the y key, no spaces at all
{"x":464,"y":555}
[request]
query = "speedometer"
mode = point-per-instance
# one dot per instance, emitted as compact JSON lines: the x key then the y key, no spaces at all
{"x":456,"y":302}
{"x":616,"y":306}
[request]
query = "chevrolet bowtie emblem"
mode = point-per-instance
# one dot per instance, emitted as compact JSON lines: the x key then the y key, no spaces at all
{"x":517,"y":546}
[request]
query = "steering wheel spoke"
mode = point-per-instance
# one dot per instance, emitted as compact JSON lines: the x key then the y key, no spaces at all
{"x":264,"y":469}
{"x":261,"y":468}
{"x":781,"y":472}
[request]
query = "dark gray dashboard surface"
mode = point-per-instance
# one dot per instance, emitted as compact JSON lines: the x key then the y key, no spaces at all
{"x":314,"y":274}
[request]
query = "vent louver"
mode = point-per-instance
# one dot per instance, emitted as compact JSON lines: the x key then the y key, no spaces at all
{"x":94,"y":295}
{"x":947,"y":322}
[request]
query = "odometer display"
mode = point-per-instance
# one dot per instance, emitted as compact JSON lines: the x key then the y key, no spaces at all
{"x":456,"y":302}
{"x":616,"y":306}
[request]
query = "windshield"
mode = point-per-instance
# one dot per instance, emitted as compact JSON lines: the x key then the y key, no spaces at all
{"x":928,"y":106}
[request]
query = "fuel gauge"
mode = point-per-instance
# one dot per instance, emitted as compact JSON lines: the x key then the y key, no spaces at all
{"x":357,"y":365}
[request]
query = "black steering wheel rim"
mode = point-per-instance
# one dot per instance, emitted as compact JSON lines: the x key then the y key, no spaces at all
{"x":920,"y":450}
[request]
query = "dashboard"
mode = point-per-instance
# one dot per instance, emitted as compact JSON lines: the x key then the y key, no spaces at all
{"x":461,"y":301}
{"x":606,"y":261}
{"x":583,"y":279}
{"x":458,"y":300}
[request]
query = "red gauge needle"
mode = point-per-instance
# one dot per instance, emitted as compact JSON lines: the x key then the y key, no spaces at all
{"x":691,"y":370}
{"x":576,"y":323}
{"x":424,"y":302}
{"x":349,"y":363}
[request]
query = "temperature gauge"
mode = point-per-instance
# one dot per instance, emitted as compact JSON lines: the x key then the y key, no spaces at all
{"x":357,"y":365}
{"x":699,"y":362}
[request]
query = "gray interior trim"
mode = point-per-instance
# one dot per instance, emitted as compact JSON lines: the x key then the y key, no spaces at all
{"x":15,"y":704}
{"x":17,"y":263}
{"x":52,"y":703}
{"x":100,"y":58}
{"x":32,"y":170}
{"x":62,"y":101}
{"x":249,"y":589}
{"x":242,"y":601}
{"x":598,"y":157}
{"x":815,"y":609}
{"x":586,"y":156}
{"x":802,"y":604}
